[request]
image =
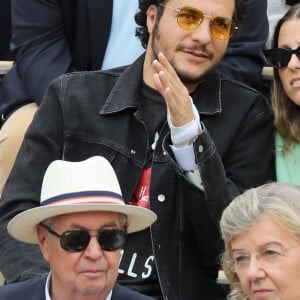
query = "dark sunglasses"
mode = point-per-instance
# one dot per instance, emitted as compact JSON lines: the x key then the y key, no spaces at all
{"x":78,"y":240}
{"x":190,"y":18}
{"x":280,"y":57}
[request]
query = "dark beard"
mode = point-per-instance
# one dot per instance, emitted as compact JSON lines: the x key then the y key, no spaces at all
{"x":196,"y":80}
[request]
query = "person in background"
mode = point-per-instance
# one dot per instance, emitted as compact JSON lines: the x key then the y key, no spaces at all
{"x":244,"y":59}
{"x":260,"y":229}
{"x":275,"y":11}
{"x":284,"y":56}
{"x":183,"y":139}
{"x":50,"y":38}
{"x":57,"y":37}
{"x":80,"y":227}
{"x":5,"y":30}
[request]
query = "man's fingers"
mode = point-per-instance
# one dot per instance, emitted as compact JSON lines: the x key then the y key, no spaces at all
{"x":166,"y":64}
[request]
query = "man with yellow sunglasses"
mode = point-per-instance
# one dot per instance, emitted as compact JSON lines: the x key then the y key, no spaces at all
{"x":182,"y":138}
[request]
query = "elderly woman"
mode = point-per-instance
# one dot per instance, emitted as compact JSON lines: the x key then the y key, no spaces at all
{"x":261,"y":231}
{"x":285,"y":59}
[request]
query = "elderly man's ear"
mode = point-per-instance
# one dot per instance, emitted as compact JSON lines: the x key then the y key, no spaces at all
{"x":43,"y":241}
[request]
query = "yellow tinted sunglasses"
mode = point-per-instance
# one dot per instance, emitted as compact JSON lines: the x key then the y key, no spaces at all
{"x":190,"y":18}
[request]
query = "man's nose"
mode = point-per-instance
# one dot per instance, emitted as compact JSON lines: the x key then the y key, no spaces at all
{"x":202,"y":33}
{"x":93,"y":250}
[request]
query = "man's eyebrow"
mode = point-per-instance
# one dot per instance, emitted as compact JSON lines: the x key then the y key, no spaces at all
{"x":107,"y":224}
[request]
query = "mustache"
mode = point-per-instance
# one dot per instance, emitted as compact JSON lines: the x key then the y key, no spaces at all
{"x":197,"y":49}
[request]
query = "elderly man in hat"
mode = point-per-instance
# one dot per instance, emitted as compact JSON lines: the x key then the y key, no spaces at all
{"x":80,"y":227}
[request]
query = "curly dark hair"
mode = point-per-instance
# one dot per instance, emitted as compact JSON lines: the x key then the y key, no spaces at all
{"x":141,"y":16}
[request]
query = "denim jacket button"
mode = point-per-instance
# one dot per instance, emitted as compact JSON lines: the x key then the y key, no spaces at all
{"x":161,"y":198}
{"x":200,"y":149}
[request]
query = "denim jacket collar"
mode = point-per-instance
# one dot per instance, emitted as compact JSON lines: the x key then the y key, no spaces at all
{"x":126,"y":88}
{"x":207,"y":96}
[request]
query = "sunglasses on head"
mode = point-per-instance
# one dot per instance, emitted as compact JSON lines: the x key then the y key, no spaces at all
{"x":280,"y":57}
{"x":190,"y":18}
{"x":78,"y":240}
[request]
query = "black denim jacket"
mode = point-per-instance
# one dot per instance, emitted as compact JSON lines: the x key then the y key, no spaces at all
{"x":94,"y":113}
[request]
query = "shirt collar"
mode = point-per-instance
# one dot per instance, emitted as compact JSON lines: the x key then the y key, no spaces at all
{"x":47,"y":287}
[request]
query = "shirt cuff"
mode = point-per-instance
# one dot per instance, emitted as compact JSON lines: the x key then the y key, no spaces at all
{"x":183,"y":135}
{"x":185,"y":157}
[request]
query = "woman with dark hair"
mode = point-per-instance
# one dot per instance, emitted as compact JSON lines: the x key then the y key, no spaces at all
{"x":284,"y":56}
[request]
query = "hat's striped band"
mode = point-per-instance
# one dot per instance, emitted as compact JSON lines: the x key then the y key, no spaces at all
{"x":87,"y":197}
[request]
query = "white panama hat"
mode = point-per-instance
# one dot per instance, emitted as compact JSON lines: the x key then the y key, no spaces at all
{"x":69,"y":187}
